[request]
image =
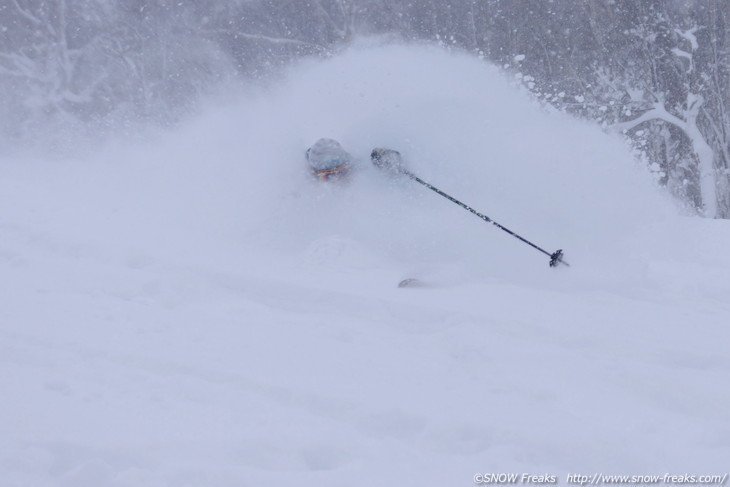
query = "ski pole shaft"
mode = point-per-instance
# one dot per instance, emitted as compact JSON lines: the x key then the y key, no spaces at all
{"x":555,"y":258}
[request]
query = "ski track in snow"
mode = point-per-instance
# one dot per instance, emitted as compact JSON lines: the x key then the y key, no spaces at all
{"x":180,"y":314}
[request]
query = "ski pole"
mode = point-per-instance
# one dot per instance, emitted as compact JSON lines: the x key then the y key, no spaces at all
{"x":390,"y":160}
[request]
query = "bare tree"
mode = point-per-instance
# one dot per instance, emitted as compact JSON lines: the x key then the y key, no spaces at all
{"x":48,"y":47}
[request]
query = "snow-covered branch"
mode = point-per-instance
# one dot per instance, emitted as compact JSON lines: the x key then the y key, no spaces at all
{"x":26,"y":14}
{"x":18,"y":65}
{"x":690,"y":36}
{"x":260,"y":37}
{"x":683,"y":54}
{"x":341,"y":32}
{"x":658,"y":111}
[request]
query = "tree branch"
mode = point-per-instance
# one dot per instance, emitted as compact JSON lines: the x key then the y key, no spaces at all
{"x":329,"y":19}
{"x":21,"y":64}
{"x":27,"y":15}
{"x":689,"y":35}
{"x":658,"y":112}
{"x":265,"y":38}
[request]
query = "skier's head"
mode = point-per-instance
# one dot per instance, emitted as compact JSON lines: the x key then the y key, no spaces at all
{"x":328,"y":160}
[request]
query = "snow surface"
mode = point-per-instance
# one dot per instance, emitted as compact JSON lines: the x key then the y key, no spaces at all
{"x":196,"y":311}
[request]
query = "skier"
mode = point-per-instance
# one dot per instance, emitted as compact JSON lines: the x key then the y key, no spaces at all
{"x":328,"y":160}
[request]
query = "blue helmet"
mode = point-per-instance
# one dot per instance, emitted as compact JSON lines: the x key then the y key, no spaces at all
{"x":328,"y":160}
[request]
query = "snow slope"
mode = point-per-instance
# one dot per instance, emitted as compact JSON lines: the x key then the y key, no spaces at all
{"x":196,"y":311}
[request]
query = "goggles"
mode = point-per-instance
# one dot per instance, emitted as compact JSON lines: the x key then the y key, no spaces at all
{"x":332,"y":173}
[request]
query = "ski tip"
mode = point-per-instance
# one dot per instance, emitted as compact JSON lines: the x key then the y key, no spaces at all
{"x":411,"y":282}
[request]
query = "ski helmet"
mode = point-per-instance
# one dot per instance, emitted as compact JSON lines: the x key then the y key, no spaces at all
{"x":328,"y":160}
